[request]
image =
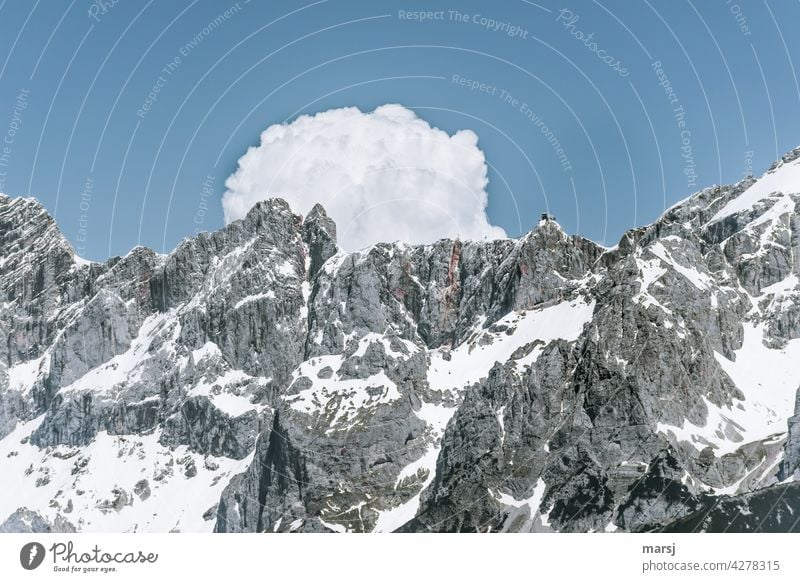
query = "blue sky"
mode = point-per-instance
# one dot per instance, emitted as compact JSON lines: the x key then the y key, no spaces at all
{"x":643,"y":102}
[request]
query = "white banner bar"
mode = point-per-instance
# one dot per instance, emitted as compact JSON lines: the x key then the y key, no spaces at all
{"x":420,"y":557}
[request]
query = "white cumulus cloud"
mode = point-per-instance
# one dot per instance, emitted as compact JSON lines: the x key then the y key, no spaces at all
{"x":382,"y":176}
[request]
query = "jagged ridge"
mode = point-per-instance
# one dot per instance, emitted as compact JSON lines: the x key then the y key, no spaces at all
{"x":260,"y":379}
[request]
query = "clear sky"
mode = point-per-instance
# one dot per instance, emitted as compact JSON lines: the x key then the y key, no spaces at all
{"x":125,"y":117}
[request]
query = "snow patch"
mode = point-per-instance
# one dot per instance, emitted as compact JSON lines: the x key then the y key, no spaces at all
{"x":700,"y":280}
{"x":768,"y":398}
{"x":342,"y":400}
{"x":253,"y":298}
{"x":783,"y":179}
{"x":102,"y":494}
{"x":127,"y":367}
{"x":532,"y":503}
{"x":471,"y":361}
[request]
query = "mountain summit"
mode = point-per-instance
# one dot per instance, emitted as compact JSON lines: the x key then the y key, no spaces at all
{"x":259,"y":378}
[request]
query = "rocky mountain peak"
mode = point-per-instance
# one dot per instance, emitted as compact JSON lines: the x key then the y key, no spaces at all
{"x":316,"y":213}
{"x":319,"y":234}
{"x":272,"y":218}
{"x":786,"y":158}
{"x":26,"y":224}
{"x":36,"y":261}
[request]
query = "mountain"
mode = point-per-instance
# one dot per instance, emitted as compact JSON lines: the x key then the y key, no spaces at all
{"x":259,"y":378}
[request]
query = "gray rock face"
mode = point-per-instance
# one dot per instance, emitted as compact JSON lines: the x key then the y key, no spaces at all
{"x":259,"y":379}
{"x":319,"y":235}
{"x":790,"y":466}
{"x":769,"y":510}
{"x":27,"y":521}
